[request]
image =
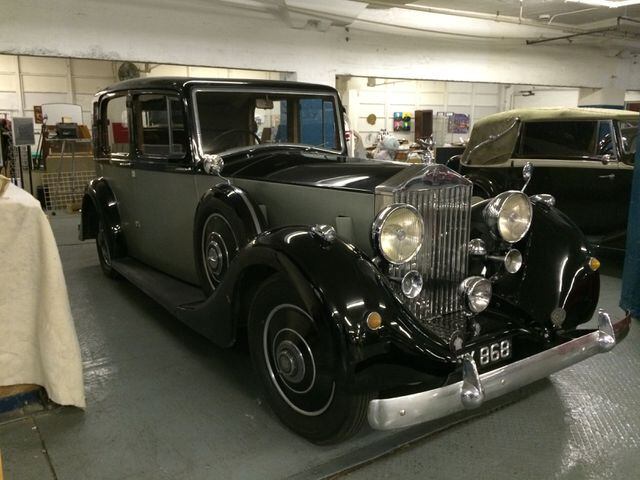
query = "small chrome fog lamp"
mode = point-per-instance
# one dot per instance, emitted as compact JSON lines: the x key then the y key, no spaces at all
{"x":412,"y":284}
{"x":476,"y":291}
{"x":477,"y":247}
{"x":513,"y":261}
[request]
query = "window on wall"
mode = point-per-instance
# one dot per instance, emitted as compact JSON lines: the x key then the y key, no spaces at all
{"x":159,"y":126}
{"x":117,"y":127}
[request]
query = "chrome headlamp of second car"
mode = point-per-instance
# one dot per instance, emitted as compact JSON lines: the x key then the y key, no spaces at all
{"x":509,"y":215}
{"x":398,"y":232}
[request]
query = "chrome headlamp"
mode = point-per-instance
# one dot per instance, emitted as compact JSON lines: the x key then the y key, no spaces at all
{"x":397,"y":233}
{"x":509,"y":215}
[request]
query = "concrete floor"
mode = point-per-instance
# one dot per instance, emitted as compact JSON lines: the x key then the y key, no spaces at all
{"x":163,"y":402}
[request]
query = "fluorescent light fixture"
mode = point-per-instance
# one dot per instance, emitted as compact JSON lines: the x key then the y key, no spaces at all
{"x":606,"y":3}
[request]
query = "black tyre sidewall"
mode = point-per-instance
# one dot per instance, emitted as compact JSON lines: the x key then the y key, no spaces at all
{"x":346,"y":412}
{"x":106,"y":267}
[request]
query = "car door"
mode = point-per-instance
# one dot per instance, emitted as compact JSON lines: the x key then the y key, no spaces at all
{"x":165,"y":192}
{"x":571,"y":165}
{"x":114,"y":158}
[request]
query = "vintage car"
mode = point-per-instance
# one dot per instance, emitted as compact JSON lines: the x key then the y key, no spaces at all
{"x":365,"y":290}
{"x":583,"y":157}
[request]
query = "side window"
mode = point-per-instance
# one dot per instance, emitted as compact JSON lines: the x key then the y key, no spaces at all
{"x":159,"y":126}
{"x":317,"y":123}
{"x":559,"y":139}
{"x":117,"y":127}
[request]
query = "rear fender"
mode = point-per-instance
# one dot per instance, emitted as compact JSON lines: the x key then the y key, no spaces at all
{"x":99,"y":202}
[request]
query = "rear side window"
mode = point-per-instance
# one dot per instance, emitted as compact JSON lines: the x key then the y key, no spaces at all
{"x":160,"y":130}
{"x":117,"y":127}
{"x":564,"y":139}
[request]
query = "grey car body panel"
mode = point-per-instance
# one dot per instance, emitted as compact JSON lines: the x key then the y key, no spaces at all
{"x":286,"y":204}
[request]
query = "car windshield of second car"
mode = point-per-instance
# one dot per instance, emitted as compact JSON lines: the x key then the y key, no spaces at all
{"x":231,"y":121}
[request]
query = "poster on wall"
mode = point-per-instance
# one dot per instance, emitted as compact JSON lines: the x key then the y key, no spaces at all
{"x":459,"y":123}
{"x":401,"y":121}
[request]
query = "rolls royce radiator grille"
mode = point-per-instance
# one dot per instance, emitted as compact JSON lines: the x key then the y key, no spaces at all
{"x":442,"y":259}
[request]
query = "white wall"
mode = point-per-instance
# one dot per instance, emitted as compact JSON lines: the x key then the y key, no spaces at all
{"x":602,"y":96}
{"x":205,"y":33}
{"x":29,"y":81}
{"x":474,"y":99}
{"x":518,"y":96}
{"x":26,"y":81}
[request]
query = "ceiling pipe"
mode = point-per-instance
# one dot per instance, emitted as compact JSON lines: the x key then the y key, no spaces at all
{"x":476,"y":15}
{"x":568,"y":37}
{"x":562,"y":14}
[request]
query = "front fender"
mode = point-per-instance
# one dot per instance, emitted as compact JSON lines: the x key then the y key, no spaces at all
{"x":556,"y":273}
{"x":341,"y":286}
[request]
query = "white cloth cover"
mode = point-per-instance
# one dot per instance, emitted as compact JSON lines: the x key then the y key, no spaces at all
{"x":38,"y":342}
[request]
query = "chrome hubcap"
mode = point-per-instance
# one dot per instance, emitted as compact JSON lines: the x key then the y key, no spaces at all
{"x":219,"y":244}
{"x":300,"y":378}
{"x":214,"y":255}
{"x":290,"y":362}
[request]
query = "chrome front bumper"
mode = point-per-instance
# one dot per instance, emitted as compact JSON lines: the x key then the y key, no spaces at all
{"x":474,"y":389}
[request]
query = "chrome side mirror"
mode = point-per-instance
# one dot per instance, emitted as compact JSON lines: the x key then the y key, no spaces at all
{"x":527,"y":173}
{"x":212,"y":164}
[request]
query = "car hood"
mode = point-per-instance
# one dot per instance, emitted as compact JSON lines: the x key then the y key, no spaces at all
{"x":314,"y":169}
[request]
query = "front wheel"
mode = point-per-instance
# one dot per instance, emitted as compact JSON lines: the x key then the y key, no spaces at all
{"x":297,"y":361}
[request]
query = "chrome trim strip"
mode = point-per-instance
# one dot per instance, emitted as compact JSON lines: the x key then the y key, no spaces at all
{"x":389,"y":413}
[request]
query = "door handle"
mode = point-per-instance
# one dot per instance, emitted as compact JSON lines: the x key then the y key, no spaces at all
{"x":611,"y":176}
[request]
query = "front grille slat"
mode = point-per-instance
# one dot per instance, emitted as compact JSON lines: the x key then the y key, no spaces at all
{"x":442,"y":260}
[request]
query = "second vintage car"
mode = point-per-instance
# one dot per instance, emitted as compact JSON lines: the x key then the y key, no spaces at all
{"x":583,"y":157}
{"x":366,"y":290}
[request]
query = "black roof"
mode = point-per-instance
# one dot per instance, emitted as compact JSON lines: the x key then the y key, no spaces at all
{"x":178,"y":83}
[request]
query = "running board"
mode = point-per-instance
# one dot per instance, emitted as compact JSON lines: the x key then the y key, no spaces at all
{"x":209,"y":316}
{"x":171,"y":293}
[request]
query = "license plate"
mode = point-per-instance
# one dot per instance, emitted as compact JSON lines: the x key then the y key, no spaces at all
{"x":486,"y":355}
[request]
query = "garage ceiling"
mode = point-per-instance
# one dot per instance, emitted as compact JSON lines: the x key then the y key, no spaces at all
{"x":517,"y":21}
{"x":562,"y":12}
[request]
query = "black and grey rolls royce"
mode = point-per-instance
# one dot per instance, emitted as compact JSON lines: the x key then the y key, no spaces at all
{"x":583,"y":157}
{"x":365,"y":290}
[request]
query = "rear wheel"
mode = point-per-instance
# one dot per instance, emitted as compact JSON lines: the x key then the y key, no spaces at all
{"x":105,"y":251}
{"x":298,"y":361}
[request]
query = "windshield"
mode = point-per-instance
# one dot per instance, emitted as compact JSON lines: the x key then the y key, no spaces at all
{"x":628,"y":138}
{"x":230,"y":120}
